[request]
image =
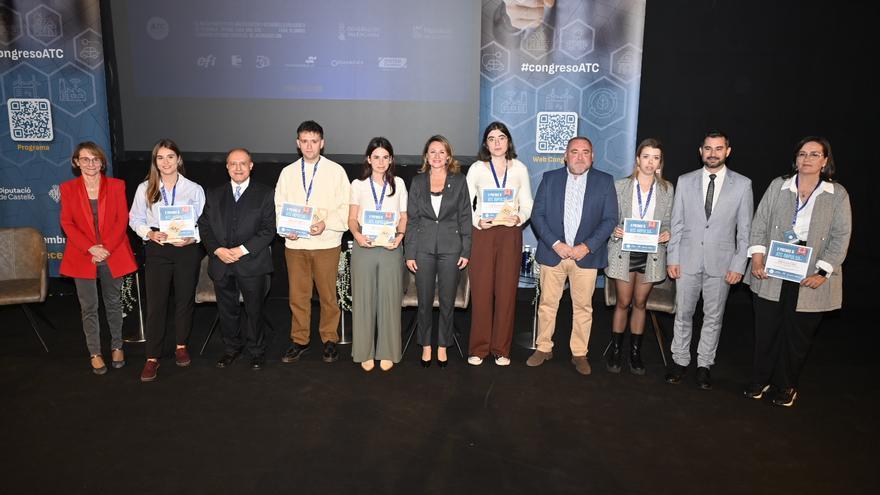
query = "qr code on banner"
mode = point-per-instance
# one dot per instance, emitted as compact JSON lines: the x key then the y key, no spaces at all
{"x":30,"y":119}
{"x":553,"y":131}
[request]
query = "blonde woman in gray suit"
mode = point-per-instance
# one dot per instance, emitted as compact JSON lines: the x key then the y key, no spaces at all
{"x":645,"y":195}
{"x":809,"y":209}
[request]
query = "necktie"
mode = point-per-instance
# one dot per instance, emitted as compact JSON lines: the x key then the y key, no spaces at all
{"x":237,"y":192}
{"x":710,"y":194}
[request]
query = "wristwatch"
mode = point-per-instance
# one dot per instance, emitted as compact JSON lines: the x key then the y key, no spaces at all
{"x":822,"y":272}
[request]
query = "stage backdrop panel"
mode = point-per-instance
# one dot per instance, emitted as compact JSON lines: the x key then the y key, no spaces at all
{"x":575,"y":72}
{"x":53,"y":97}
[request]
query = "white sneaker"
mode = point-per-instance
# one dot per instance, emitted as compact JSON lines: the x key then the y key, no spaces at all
{"x":502,"y":361}
{"x":475,"y":360}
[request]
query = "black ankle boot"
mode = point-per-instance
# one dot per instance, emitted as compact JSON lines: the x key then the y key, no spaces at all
{"x":615,"y":354}
{"x":636,"y":367}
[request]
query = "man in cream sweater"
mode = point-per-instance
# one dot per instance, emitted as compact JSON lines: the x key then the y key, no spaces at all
{"x":321,"y":184}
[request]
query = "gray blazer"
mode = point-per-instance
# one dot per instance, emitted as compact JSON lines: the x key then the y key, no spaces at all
{"x":830,"y":229}
{"x":447,"y":233}
{"x":618,"y":261}
{"x":721,"y":244}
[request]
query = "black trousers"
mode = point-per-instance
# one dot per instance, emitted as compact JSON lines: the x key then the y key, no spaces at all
{"x":436,"y":272}
{"x":166,"y":266}
{"x":253,"y":294}
{"x":783,"y":337}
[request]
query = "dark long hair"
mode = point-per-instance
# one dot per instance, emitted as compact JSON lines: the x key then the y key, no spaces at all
{"x":153,"y":179}
{"x":374,"y":144}
{"x":484,"y":153}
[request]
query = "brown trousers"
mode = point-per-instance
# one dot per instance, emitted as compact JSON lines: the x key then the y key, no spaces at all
{"x":494,"y":265}
{"x":305,"y":268}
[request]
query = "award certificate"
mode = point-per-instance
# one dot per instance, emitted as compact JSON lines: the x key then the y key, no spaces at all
{"x":640,"y":236}
{"x":379,"y":226}
{"x":498,"y":202}
{"x":788,"y":261}
{"x":177,"y":222}
{"x":295,"y":219}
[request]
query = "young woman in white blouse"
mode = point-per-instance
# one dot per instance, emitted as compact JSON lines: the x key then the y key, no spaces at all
{"x":168,"y":263}
{"x":377,"y":264}
{"x":500,"y":184}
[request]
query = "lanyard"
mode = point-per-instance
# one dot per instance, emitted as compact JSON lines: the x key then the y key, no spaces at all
{"x":173,"y":194}
{"x":378,"y":200}
{"x":312,"y":180}
{"x":797,"y":206}
{"x":503,"y":184}
{"x":643,"y":211}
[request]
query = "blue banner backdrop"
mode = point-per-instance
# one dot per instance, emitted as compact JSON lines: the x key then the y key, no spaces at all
{"x":553,"y":70}
{"x":53,"y":97}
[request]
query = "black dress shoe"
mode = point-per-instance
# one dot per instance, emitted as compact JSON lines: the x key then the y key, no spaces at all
{"x":442,"y":364}
{"x":330,"y":355}
{"x":257,"y":363}
{"x":294,"y":352}
{"x":425,"y":364}
{"x":755,"y":390}
{"x":704,"y":378}
{"x":675,"y":373}
{"x":785,"y":397}
{"x":227,"y":359}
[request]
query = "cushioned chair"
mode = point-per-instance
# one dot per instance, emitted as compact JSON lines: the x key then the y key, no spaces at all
{"x":23,"y":270}
{"x":411,"y":300}
{"x":662,"y":299}
{"x":205,"y":294}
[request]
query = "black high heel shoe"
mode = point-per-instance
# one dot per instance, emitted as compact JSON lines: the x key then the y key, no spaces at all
{"x":442,"y":364}
{"x":425,"y":364}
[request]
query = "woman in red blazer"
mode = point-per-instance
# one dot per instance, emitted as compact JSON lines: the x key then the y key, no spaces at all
{"x":94,"y":216}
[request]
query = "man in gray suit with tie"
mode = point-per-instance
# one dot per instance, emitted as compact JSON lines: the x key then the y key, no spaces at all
{"x":707,"y":253}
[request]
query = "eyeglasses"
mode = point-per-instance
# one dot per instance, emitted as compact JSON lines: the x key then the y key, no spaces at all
{"x":88,"y":160}
{"x":803,"y":155}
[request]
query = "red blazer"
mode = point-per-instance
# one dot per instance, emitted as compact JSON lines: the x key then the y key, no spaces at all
{"x":79,"y":226}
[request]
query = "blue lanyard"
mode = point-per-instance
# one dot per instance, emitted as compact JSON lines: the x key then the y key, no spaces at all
{"x":797,"y":206}
{"x":312,"y":180}
{"x":644,"y":211}
{"x":378,"y":200}
{"x":495,"y":176}
{"x":173,"y":194}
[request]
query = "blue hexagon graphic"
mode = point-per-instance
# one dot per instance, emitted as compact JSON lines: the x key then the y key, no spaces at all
{"x":559,"y":95}
{"x":14,"y":154}
{"x":513,"y":101}
{"x":88,"y":48}
{"x":494,"y":61}
{"x":73,"y":90}
{"x":59,"y":149}
{"x":626,"y":63}
{"x":620,"y":155}
{"x":577,"y":39}
{"x":44,"y":25}
{"x":10,"y":25}
{"x":538,"y":42}
{"x":25,"y":81}
{"x":603,"y":103}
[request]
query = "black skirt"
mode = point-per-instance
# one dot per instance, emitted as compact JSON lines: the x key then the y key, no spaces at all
{"x":637,"y":262}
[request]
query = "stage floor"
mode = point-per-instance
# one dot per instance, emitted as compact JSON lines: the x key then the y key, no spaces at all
{"x":312,"y":427}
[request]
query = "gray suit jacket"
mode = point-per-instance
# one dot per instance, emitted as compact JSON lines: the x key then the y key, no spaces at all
{"x":720,"y":244}
{"x":618,"y":261}
{"x":447,"y":233}
{"x":830,"y":228}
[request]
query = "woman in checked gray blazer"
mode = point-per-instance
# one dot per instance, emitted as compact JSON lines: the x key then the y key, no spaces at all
{"x":809,"y":210}
{"x":644,"y":195}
